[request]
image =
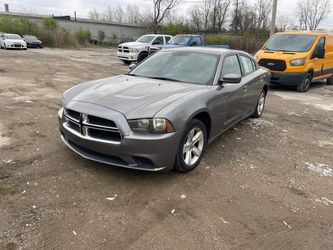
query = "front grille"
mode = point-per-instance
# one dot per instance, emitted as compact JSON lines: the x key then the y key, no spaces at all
{"x":72,"y":114}
{"x":108,"y":135}
{"x":73,"y":125}
{"x":123,"y":49}
{"x":17,"y":45}
{"x":92,"y":127}
{"x":101,"y":121}
{"x":272,"y":64}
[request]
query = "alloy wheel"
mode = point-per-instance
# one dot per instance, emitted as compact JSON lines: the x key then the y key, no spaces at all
{"x":261,"y":103}
{"x":193,"y":146}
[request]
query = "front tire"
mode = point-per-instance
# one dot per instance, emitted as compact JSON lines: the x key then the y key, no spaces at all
{"x":127,"y":62}
{"x":305,"y":84}
{"x":192,"y":146}
{"x":142,"y":56}
{"x":330,"y":80}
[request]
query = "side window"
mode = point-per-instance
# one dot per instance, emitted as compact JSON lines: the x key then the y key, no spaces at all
{"x":167,"y":39}
{"x":196,"y":41}
{"x":231,"y":66}
{"x":320,"y":45}
{"x":158,"y":40}
{"x":248,"y":65}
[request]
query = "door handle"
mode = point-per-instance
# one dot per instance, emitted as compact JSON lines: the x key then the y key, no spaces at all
{"x":262,"y":78}
{"x":245,"y":88}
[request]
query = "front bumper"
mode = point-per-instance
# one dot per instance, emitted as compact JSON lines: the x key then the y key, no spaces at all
{"x":287,"y":78}
{"x":16,"y":46}
{"x":132,"y":57}
{"x":143,"y":152}
{"x":34,"y":45}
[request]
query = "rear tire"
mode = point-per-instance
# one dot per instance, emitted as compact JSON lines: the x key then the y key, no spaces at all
{"x":330,"y":80}
{"x":191,"y":147}
{"x":260,"y":107}
{"x":305,"y":84}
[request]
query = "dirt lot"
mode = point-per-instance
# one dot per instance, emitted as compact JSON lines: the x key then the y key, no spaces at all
{"x":266,"y":184}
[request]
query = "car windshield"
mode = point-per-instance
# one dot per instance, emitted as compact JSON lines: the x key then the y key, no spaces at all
{"x":189,"y":67}
{"x":145,"y":39}
{"x":13,"y":36}
{"x":30,"y":37}
{"x":180,"y":40}
{"x":290,"y":43}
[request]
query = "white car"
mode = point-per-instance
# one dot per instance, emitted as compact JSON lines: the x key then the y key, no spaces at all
{"x":138,"y":50}
{"x":12,"y":41}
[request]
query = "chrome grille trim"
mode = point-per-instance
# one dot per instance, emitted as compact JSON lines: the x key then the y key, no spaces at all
{"x":85,"y":126}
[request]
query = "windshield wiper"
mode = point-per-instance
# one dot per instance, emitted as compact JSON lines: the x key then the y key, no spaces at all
{"x":164,"y":78}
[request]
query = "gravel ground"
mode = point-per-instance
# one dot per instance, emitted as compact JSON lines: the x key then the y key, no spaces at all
{"x":265,"y":184}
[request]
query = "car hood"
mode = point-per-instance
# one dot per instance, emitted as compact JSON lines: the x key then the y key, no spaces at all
{"x":135,"y":97}
{"x":167,"y":46}
{"x":14,"y":41}
{"x":133,"y":44}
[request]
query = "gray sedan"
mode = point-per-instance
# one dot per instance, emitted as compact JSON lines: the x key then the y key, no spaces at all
{"x":165,"y":111}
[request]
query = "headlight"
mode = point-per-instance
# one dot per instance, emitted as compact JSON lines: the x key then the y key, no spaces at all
{"x":298,"y":62}
{"x":64,"y":103}
{"x":133,"y":50}
{"x":154,"y":125}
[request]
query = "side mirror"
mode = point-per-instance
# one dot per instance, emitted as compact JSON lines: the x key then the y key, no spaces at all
{"x":321,"y":53}
{"x":231,"y":78}
{"x":132,"y":66}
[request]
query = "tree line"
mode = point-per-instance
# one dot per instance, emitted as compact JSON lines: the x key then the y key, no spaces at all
{"x":216,"y":16}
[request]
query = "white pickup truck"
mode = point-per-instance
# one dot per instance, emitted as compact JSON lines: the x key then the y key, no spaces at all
{"x":138,"y":50}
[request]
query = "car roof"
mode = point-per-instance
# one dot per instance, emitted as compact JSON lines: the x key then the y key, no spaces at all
{"x":309,"y":33}
{"x":187,"y":35}
{"x":155,"y":35}
{"x":207,"y":50}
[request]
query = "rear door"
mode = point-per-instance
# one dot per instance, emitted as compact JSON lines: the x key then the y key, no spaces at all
{"x":252,"y":84}
{"x":235,"y":102}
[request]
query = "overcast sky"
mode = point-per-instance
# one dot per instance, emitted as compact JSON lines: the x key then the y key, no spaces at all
{"x":286,"y":8}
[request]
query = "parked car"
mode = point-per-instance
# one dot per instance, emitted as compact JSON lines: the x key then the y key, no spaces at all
{"x":188,"y":40}
{"x":298,"y":58}
{"x":138,"y":50}
{"x":32,"y":41}
{"x":164,"y":112}
{"x":12,"y":41}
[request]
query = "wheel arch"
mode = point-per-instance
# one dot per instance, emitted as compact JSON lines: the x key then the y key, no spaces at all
{"x":203,"y":116}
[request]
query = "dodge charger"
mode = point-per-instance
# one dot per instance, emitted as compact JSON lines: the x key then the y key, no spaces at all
{"x":166,"y":110}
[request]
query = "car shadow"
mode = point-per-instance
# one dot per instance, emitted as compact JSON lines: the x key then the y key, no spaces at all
{"x":314,"y":85}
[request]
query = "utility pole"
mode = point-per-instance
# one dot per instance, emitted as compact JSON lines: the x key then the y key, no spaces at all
{"x":273,"y":16}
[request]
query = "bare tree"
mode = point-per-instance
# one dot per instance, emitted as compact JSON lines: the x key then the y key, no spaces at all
{"x":263,"y":9}
{"x":118,"y":14}
{"x":108,"y":15}
{"x":94,"y":15}
{"x":161,"y":9}
{"x":132,"y":13}
{"x":312,"y":13}
{"x":196,"y":17}
{"x":222,"y":7}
